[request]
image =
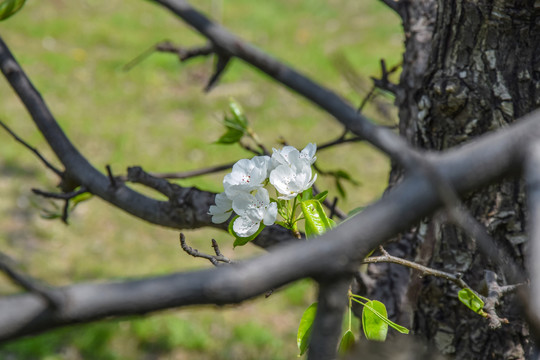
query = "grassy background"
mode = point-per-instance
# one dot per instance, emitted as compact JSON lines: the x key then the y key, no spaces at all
{"x":157,"y":116}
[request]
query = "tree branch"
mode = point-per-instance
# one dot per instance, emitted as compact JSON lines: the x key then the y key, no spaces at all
{"x":215,"y":260}
{"x":380,"y":137}
{"x":331,"y":305}
{"x":339,"y":250}
{"x":52,"y":297}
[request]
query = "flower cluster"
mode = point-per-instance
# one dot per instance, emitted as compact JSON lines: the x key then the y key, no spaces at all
{"x":288,"y":170}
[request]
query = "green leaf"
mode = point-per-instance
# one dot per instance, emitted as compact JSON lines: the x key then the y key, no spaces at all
{"x":390,"y":323}
{"x":340,"y":188}
{"x":304,"y":328}
{"x":238,"y":114}
{"x":471,"y":300}
{"x":10,"y":7}
{"x":345,"y":175}
{"x":307,"y":194}
{"x":356,"y":211}
{"x":80,"y":198}
{"x":321,"y":196}
{"x":315,"y":218}
{"x":346,"y":343}
{"x":375,"y":328}
{"x":232,"y":136}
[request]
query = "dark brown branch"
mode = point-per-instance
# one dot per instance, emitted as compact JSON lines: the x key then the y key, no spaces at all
{"x":32,"y":149}
{"x":215,"y":260}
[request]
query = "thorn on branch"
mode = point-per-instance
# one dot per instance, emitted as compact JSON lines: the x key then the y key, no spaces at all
{"x":53,"y":298}
{"x":215,"y":260}
{"x":112,"y":179}
{"x":221,"y":65}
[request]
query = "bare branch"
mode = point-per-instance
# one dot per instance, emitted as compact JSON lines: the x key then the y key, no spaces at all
{"x":384,"y":82}
{"x":60,"y":196}
{"x":382,"y":138}
{"x":424,"y":270}
{"x":185,"y":53}
{"x":32,"y":149}
{"x":192,"y":173}
{"x":215,"y":260}
{"x":52,"y":297}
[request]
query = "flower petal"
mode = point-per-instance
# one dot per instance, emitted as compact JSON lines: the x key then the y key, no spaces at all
{"x":244,"y":227}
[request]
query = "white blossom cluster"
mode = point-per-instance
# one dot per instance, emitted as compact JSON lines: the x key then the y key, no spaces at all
{"x":288,"y":170}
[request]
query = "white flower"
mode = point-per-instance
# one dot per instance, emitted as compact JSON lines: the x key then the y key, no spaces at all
{"x":253,"y":209}
{"x":291,"y":180}
{"x":222,"y":210}
{"x":246,"y":176}
{"x":289,"y":153}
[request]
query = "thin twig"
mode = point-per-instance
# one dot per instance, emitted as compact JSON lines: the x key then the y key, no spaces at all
{"x":215,"y":260}
{"x":54,"y":299}
{"x":387,"y":258}
{"x":384,"y":82}
{"x":60,"y":196}
{"x":33,"y":149}
{"x":192,"y":173}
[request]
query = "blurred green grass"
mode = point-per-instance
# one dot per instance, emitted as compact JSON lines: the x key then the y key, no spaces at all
{"x":157,"y":116}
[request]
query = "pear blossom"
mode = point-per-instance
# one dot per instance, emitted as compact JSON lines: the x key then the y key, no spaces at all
{"x":246,"y":176}
{"x":253,"y":209}
{"x":285,"y":155}
{"x":291,"y":180}
{"x":222,"y":210}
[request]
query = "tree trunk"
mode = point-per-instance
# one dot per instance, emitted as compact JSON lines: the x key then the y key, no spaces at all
{"x":469,"y":67}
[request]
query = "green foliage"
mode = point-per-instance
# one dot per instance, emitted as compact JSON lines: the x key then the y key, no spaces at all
{"x":471,"y":300}
{"x":316,"y":221}
{"x":375,"y":328}
{"x":346,"y":343}
{"x":236,"y":125}
{"x":9,"y":8}
{"x":305,"y":327}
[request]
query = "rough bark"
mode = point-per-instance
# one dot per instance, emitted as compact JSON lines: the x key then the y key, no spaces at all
{"x":477,"y":71}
